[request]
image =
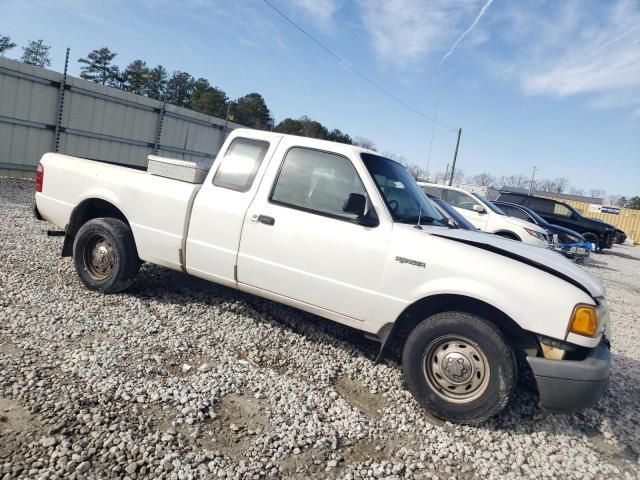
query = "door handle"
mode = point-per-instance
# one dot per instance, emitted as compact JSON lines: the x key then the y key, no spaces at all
{"x":266,"y":219}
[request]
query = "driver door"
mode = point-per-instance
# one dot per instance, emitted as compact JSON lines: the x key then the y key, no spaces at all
{"x":298,"y":243}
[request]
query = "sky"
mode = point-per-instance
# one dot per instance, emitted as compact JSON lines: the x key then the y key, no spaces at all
{"x":545,"y":83}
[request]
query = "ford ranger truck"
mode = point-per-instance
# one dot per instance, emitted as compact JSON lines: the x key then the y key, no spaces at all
{"x":347,"y":234}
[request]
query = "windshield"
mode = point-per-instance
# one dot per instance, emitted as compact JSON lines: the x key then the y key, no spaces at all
{"x":539,"y":220}
{"x":407,"y":203}
{"x":488,"y":203}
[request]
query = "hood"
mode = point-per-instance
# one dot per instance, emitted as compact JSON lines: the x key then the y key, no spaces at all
{"x":562,"y":230}
{"x":596,"y":223}
{"x":524,"y":224}
{"x":612,"y":227}
{"x":537,"y":257}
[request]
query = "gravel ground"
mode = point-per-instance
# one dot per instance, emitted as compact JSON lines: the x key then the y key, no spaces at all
{"x":179,"y":378}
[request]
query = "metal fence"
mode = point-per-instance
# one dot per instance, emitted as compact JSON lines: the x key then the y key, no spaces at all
{"x":45,"y":111}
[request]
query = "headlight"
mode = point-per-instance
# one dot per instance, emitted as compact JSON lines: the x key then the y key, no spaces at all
{"x":584,"y":320}
{"x":538,"y":235}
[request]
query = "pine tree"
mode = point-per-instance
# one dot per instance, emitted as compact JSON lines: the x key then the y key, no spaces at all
{"x":136,"y":77}
{"x":252,"y":111}
{"x":36,"y":53}
{"x":208,"y":99}
{"x":156,"y":83}
{"x":6,"y":44}
{"x":180,"y":89}
{"x":98,"y":67}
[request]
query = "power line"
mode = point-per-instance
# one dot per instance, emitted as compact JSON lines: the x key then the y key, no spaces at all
{"x":357,"y":72}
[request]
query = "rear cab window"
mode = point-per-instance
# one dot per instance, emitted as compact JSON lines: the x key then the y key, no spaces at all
{"x":240,"y":164}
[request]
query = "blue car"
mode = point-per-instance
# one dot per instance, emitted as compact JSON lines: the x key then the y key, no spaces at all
{"x":575,"y":251}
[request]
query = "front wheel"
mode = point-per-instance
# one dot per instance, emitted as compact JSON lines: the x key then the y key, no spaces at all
{"x":459,"y":367}
{"x":105,"y":255}
{"x":593,"y":238}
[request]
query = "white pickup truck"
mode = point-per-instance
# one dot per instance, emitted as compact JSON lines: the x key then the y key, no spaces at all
{"x":347,"y":234}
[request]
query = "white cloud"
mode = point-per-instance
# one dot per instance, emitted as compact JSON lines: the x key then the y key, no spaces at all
{"x":321,"y":11}
{"x":590,"y":52}
{"x":405,"y":31}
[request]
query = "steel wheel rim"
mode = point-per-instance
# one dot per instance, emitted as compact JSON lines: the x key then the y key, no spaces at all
{"x":456,"y":368}
{"x":99,"y":257}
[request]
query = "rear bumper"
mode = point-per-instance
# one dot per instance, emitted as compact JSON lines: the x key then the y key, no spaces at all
{"x":569,"y":385}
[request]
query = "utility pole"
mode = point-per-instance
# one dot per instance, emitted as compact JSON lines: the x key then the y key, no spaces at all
{"x":58,"y":128}
{"x":446,"y":174}
{"x":455,"y":157}
{"x":531,"y":182}
{"x":433,"y":133}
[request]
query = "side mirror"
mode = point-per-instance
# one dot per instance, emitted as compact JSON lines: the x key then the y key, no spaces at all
{"x":355,"y":203}
{"x":478,"y":208}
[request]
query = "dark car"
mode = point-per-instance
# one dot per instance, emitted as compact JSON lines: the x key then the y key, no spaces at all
{"x":564,"y":235}
{"x":564,"y":215}
{"x":620,"y":236}
{"x":452,"y":214}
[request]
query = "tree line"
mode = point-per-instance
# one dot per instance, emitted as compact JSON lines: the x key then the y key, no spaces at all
{"x":183,"y":90}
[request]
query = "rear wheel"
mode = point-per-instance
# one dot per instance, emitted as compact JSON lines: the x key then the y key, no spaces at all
{"x":105,"y":256}
{"x":459,"y":367}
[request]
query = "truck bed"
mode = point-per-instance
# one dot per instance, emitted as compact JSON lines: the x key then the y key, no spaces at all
{"x":156,"y":207}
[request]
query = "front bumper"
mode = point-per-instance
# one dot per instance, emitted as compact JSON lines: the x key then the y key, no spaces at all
{"x":569,"y":385}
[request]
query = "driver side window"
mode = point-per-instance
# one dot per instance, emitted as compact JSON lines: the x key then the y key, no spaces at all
{"x":316,"y":181}
{"x":460,"y":200}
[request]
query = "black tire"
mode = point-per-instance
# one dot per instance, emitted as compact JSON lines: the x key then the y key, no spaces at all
{"x":593,"y":238}
{"x":496,"y":362}
{"x":105,"y":256}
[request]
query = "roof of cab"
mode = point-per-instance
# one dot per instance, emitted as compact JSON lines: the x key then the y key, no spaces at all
{"x":306,"y":141}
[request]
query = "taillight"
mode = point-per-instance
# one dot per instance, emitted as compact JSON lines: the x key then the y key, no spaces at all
{"x":39,"y":177}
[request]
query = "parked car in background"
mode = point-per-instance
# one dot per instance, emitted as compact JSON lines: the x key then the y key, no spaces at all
{"x":452,"y":214}
{"x":346,"y":234}
{"x":564,"y":235}
{"x":485,"y":216}
{"x":560,"y":213}
{"x":565,"y":241}
{"x":578,"y":252}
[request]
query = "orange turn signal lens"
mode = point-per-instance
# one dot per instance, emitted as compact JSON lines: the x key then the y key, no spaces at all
{"x":584,"y":320}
